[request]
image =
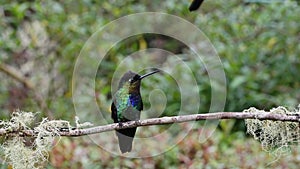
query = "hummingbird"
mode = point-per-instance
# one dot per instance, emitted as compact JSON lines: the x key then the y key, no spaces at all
{"x":127,"y":106}
{"x":195,"y":5}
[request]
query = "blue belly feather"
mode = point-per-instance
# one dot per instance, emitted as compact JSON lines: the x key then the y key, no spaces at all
{"x":134,"y":100}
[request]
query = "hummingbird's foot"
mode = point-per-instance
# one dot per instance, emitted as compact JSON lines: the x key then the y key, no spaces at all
{"x":64,"y":129}
{"x":120,"y":124}
{"x":137,"y":122}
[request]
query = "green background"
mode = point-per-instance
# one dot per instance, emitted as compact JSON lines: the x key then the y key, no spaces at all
{"x":258,"y":43}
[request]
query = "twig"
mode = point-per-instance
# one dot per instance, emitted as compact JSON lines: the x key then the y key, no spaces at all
{"x":9,"y":70}
{"x":14,"y":73}
{"x":169,"y":120}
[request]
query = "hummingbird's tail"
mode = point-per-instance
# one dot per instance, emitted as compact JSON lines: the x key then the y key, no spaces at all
{"x":125,"y":137}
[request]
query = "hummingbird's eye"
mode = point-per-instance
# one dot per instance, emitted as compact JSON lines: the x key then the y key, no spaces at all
{"x":134,"y":78}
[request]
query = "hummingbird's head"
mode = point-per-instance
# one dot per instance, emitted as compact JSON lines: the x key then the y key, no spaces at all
{"x":129,"y":78}
{"x":133,"y":79}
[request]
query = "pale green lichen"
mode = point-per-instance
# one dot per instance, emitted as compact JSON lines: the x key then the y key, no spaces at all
{"x":19,"y":120}
{"x":276,"y":137}
{"x":21,"y":156}
{"x":17,"y":153}
{"x":32,"y":155}
{"x":82,"y":125}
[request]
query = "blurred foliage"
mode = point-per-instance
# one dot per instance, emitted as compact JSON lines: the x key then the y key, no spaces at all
{"x":257,"y":42}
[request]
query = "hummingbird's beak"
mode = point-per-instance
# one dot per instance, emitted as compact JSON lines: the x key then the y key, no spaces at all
{"x":148,"y":74}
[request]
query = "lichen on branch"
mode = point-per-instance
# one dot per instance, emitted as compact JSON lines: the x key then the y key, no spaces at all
{"x":275,"y":136}
{"x":22,"y":153}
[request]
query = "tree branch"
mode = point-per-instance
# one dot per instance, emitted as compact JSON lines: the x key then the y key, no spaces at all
{"x":167,"y":120}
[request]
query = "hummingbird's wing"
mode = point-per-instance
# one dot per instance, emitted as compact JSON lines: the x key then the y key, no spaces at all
{"x":114,"y":114}
{"x":141,"y":106}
